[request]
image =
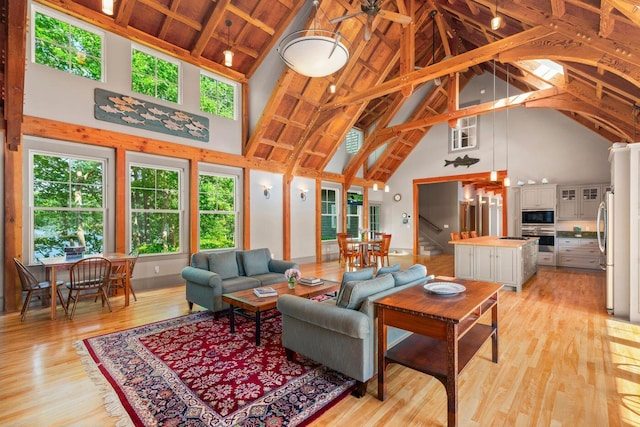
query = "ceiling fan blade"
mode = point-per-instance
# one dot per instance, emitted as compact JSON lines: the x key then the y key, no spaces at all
{"x":344,"y":17}
{"x":367,"y":29}
{"x":395,"y":17}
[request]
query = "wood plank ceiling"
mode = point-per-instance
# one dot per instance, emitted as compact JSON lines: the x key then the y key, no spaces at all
{"x":596,"y":41}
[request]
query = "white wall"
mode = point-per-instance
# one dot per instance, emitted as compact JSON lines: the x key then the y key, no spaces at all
{"x":541,"y":143}
{"x":266,"y":214}
{"x":58,"y":95}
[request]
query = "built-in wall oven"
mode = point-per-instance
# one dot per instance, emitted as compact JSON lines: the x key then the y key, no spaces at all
{"x":544,"y":232}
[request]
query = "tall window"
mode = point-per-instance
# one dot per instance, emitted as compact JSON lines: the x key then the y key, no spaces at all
{"x":217,"y":97}
{"x":59,"y":44}
{"x":68,"y":204}
{"x":154,"y":76}
{"x":353,"y":141}
{"x":155,"y":209}
{"x":354,"y":213}
{"x":329,"y":214}
{"x":464,"y":136}
{"x":374,"y":217}
{"x":218,"y":216}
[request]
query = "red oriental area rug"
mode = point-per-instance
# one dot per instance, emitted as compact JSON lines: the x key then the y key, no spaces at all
{"x":191,"y":371}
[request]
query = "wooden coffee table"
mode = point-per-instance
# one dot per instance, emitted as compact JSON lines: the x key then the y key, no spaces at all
{"x":246,"y":301}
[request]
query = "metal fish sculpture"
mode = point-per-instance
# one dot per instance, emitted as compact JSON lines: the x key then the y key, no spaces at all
{"x":131,"y":120}
{"x":179,"y":118}
{"x":116,"y":100}
{"x":197,"y":134}
{"x":158,"y":112}
{"x":461,"y":161}
{"x":200,"y":125}
{"x":126,"y":108}
{"x":150,"y":117}
{"x":110,"y":109}
{"x":172,"y":125}
{"x":132,"y":101}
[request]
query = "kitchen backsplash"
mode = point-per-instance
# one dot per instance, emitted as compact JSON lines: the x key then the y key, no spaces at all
{"x":568,"y":225}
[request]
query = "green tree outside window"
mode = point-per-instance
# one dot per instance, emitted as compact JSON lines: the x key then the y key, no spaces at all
{"x":65,"y":47}
{"x":154,"y":76}
{"x":155,"y":210}
{"x":68,"y":204}
{"x":217,"y":97}
{"x":217,"y":211}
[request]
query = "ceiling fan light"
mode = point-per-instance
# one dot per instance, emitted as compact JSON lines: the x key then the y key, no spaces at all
{"x":496,"y":22}
{"x":437,"y":81}
{"x":107,"y":7}
{"x":314,"y":55}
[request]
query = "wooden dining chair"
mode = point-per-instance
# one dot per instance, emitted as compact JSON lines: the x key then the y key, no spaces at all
{"x":473,"y":233}
{"x":455,"y":236}
{"x":464,"y":235}
{"x":34,"y":287}
{"x":340,"y":253}
{"x":379,"y":252}
{"x":88,"y":277}
{"x":349,"y":252}
{"x":118,"y":278}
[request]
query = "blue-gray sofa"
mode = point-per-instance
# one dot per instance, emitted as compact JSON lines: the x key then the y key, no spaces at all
{"x":215,"y":273}
{"x":341,"y":333}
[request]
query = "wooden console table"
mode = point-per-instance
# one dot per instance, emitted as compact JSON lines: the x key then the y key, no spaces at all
{"x":447,"y":333}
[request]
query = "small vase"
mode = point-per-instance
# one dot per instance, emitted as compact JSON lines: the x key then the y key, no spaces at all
{"x":292,"y":283}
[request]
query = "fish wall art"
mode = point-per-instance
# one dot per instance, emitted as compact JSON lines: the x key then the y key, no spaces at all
{"x":126,"y":110}
{"x":461,"y":161}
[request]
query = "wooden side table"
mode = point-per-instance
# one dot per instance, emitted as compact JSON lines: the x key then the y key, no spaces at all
{"x":447,"y":333}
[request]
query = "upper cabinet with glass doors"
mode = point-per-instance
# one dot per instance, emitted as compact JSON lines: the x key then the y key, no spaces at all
{"x":580,"y":202}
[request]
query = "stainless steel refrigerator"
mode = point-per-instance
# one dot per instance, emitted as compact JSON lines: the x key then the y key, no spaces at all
{"x":606,"y":237}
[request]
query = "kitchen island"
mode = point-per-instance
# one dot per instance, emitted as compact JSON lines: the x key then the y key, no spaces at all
{"x":510,"y":261}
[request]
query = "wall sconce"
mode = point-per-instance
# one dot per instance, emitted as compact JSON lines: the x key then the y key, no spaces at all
{"x":386,"y":188}
{"x":303,"y":194}
{"x":266,"y":191}
{"x":107,"y":7}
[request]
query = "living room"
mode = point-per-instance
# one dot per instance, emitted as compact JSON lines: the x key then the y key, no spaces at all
{"x":60,"y":119}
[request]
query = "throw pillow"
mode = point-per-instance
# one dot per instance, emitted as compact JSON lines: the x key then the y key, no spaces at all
{"x":349,"y":276}
{"x":224,"y":263}
{"x":356,"y":291}
{"x":411,"y":274}
{"x":386,"y":270}
{"x":200,"y":260}
{"x":255,"y":262}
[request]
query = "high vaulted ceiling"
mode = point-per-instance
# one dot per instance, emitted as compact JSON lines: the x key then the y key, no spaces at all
{"x":596,"y":41}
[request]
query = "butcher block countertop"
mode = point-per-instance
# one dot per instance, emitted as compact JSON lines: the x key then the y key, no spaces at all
{"x":493,"y":241}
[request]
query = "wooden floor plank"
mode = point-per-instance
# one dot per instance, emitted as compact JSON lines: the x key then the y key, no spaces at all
{"x":563,"y":361}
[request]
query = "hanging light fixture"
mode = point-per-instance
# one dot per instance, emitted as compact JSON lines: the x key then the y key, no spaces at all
{"x":314,"y":52}
{"x":107,"y":7}
{"x":507,"y":181}
{"x":494,"y":174}
{"x":375,"y":186}
{"x":228,"y":54}
{"x":434,"y":12}
{"x":496,"y":21}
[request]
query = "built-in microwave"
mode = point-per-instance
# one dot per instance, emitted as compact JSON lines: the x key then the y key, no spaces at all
{"x":538,"y":217}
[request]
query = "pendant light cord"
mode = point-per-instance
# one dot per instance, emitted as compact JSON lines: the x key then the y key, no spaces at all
{"x":493,"y":161}
{"x":634,"y":122}
{"x":506,"y":136}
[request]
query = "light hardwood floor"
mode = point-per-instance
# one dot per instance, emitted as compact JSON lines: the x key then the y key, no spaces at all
{"x":563,"y":361}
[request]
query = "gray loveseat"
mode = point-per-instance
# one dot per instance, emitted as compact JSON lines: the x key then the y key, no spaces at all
{"x":212,"y":274}
{"x":341,"y":333}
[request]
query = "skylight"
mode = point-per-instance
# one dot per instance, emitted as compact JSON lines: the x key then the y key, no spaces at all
{"x":548,"y":69}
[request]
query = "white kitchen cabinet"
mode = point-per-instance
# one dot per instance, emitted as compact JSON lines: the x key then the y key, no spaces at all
{"x":578,"y":253}
{"x":464,"y":265}
{"x":539,"y":197}
{"x":485,"y":263}
{"x":506,"y":265}
{"x":580,"y":202}
{"x":490,"y":259}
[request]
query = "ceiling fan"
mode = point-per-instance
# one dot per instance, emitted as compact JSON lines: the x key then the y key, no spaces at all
{"x":372,"y":8}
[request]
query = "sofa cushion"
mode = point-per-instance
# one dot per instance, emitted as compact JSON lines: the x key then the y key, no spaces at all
{"x":413,"y":273}
{"x":389,"y":269}
{"x":200,"y":260}
{"x":357,"y":290}
{"x":224,"y":263}
{"x":349,"y":276}
{"x":255,"y":262}
{"x":239,"y":283}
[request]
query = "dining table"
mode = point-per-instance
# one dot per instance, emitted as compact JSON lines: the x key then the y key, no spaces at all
{"x":54,"y":264}
{"x":364,"y":245}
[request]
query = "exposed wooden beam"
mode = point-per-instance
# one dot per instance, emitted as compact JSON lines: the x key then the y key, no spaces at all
{"x":447,"y":66}
{"x":16,"y":45}
{"x":210,"y":24}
